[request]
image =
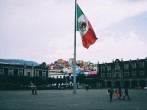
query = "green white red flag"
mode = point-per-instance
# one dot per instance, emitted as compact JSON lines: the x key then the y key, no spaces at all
{"x":84,"y":27}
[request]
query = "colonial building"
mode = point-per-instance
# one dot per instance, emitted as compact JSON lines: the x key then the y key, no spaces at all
{"x":23,"y":70}
{"x":119,"y":73}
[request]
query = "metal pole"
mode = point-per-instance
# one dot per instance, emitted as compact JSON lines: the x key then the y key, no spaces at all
{"x":74,"y":74}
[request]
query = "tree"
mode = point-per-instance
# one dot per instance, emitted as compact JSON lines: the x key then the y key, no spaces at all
{"x":80,"y":78}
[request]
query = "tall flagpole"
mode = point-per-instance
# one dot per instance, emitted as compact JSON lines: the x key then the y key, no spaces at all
{"x":74,"y":74}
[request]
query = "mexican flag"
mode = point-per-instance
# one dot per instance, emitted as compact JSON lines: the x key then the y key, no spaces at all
{"x":84,"y":27}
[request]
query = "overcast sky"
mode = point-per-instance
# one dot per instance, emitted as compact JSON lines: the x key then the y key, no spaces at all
{"x":43,"y":30}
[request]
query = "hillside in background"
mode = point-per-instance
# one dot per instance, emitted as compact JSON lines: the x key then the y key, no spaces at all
{"x":18,"y":61}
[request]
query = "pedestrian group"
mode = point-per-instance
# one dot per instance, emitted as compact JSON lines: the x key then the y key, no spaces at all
{"x":34,"y":90}
{"x":117,"y":94}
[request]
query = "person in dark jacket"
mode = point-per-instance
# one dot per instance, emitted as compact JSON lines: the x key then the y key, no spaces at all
{"x":126,"y":93}
{"x":120,"y":93}
{"x":33,"y":89}
{"x":110,"y":91}
{"x":87,"y":87}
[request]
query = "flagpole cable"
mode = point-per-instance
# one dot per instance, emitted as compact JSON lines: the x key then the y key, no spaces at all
{"x":74,"y":74}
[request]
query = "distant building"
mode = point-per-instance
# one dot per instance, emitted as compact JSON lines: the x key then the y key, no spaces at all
{"x":56,"y":74}
{"x":23,"y":70}
{"x":119,"y":73}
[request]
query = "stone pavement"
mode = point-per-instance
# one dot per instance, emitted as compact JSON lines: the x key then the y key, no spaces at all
{"x":65,"y":100}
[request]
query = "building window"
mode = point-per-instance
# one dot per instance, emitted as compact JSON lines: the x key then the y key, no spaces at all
{"x":133,"y":65}
{"x":102,"y":75}
{"x":29,"y":73}
{"x":126,"y":74}
{"x":117,"y":75}
{"x":109,"y":75}
{"x":134,"y":73}
{"x":1,"y":71}
{"x":20,"y":72}
{"x":44,"y":74}
{"x":117,"y":67}
{"x":102,"y":68}
{"x":126,"y":66}
{"x":11,"y":72}
{"x":37,"y":72}
{"x":108,"y":68}
{"x":141,"y":73}
{"x":141,"y":65}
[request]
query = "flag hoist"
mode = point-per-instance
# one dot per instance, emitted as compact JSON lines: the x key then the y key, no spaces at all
{"x":87,"y":35}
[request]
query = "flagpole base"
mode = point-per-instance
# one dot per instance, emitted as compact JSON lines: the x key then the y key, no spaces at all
{"x":74,"y":88}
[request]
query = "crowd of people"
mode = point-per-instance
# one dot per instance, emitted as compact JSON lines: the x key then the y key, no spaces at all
{"x":118,"y":93}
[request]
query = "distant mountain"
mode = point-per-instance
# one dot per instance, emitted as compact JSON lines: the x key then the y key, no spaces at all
{"x":18,"y":61}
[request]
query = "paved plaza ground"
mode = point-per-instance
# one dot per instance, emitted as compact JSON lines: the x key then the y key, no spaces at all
{"x":97,"y":99}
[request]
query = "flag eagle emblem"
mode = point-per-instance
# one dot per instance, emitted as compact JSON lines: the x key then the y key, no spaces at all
{"x":82,"y":25}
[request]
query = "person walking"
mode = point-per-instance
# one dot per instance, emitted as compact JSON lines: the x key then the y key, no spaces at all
{"x":87,"y":87}
{"x":120,"y":93}
{"x":110,"y":91}
{"x":35,"y":90}
{"x":126,"y":93}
